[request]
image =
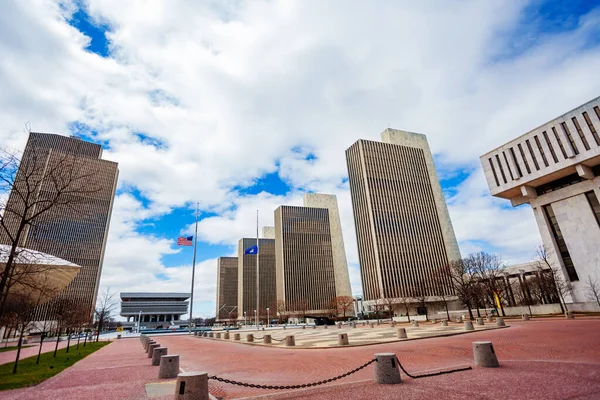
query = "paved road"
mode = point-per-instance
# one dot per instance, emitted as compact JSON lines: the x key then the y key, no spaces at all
{"x":541,"y":359}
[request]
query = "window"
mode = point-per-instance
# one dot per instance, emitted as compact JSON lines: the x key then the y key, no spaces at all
{"x":532,"y":155}
{"x":580,"y":132}
{"x":508,"y":166}
{"x":501,"y":169}
{"x":552,"y":152}
{"x":524,"y":158}
{"x":591,"y":196}
{"x":570,"y":137}
{"x":539,"y":145}
{"x":590,"y":125}
{"x":562,"y":148}
{"x":560,"y":242}
{"x":494,"y":172}
{"x":514,"y":157}
{"x":558,"y":184}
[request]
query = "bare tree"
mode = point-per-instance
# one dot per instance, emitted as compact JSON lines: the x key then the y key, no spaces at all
{"x":488,"y":270}
{"x":441,"y":282}
{"x":405,"y":301}
{"x":38,"y":182}
{"x":592,"y":288}
{"x":282,"y":311}
{"x":545,"y":264}
{"x":105,"y":306}
{"x":462,"y":280}
{"x":419,"y":291}
{"x":389,"y":304}
{"x":344,"y":304}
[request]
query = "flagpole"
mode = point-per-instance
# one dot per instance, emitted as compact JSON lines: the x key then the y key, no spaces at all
{"x":257,"y":272}
{"x":193,"y":272}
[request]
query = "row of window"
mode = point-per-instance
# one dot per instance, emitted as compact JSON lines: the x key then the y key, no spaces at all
{"x":530,"y":148}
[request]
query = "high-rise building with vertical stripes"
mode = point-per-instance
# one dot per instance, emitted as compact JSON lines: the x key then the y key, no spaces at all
{"x":310,"y":256}
{"x":555,"y":168}
{"x":76,"y":228}
{"x":227,"y":288}
{"x":247,"y":278}
{"x":403,"y":227}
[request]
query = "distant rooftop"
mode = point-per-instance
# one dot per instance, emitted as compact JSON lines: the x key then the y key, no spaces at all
{"x":143,"y":295}
{"x":27,"y":256}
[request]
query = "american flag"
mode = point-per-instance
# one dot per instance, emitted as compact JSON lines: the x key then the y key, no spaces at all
{"x":185,"y":241}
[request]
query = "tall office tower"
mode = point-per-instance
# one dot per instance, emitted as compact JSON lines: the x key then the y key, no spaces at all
{"x":310,"y":259}
{"x":403,"y":228}
{"x":556,"y":169}
{"x":227,"y":287}
{"x":247,"y":278}
{"x":75,"y":232}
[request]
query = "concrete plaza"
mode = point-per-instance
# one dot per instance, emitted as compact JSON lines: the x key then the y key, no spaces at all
{"x":551,"y":358}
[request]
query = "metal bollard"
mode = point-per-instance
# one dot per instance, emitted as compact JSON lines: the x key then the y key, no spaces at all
{"x":401,"y":332}
{"x":490,"y":318}
{"x":289,"y":340}
{"x":119,"y":336}
{"x":192,"y":386}
{"x":480,"y":321}
{"x":249,"y":338}
{"x":386,"y":369}
{"x":415,"y":324}
{"x":218,"y":335}
{"x":157,"y":353}
{"x":325,"y":326}
{"x":445,"y":323}
{"x":267,"y":339}
{"x":151,"y":349}
{"x":236,"y":336}
{"x":484,"y":355}
{"x":468,"y":326}
{"x":169,"y":366}
{"x":525,"y":317}
{"x":342,"y":339}
{"x":226,"y":335}
{"x":500,"y":321}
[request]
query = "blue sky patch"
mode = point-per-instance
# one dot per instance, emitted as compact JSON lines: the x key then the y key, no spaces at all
{"x":98,"y":43}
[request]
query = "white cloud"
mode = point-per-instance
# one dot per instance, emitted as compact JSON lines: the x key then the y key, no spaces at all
{"x":224,"y":92}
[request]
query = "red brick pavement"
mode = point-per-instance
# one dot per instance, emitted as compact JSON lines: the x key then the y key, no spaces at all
{"x":541,"y":359}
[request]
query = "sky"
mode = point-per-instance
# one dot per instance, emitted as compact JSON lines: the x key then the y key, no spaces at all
{"x":240,"y":106}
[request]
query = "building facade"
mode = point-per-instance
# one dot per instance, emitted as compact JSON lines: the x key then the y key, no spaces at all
{"x":76,"y":228}
{"x":310,"y":257}
{"x":153,"y":310}
{"x":227,"y":288}
{"x":555,"y":168}
{"x":403,"y":229}
{"x":247,"y":264}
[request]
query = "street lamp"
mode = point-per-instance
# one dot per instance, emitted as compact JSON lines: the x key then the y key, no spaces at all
{"x":244,"y":318}
{"x":256,"y":319}
{"x":522,"y":271}
{"x":268,"y":320}
{"x":139,"y":320}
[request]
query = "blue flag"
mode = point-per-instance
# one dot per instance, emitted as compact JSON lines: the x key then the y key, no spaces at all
{"x":251,"y":250}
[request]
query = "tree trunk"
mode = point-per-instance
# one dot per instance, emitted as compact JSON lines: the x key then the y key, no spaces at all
{"x":57,"y":339}
{"x":78,"y":338}
{"x":85,"y":339}
{"x":40,"y":350}
{"x":68,"y":339}
{"x":19,"y":349}
{"x":470,"y":310}
{"x":447,"y":312}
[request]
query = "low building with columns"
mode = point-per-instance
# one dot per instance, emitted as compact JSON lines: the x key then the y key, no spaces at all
{"x":555,"y":168}
{"x":155,"y":310}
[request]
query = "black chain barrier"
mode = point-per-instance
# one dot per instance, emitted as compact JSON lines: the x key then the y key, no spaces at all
{"x":432,"y":373}
{"x":285,"y":387}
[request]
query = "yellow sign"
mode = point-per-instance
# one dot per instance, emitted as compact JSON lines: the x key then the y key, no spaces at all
{"x":120,"y":329}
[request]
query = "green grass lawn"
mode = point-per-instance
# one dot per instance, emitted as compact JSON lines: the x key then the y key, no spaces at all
{"x":11,"y":348}
{"x":29,"y":373}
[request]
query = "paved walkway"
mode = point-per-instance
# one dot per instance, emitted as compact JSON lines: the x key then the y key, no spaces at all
{"x":327,"y":336}
{"x":540,"y":359}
